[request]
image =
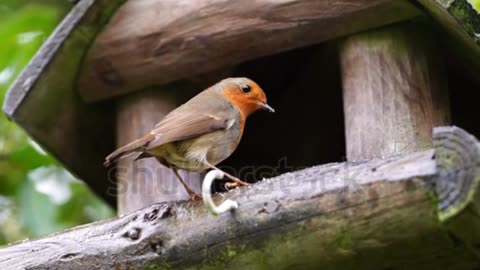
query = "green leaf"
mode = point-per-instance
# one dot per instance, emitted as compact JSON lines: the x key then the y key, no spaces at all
{"x":37,"y":213}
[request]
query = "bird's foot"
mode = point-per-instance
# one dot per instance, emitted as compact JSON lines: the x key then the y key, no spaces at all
{"x":236,"y":183}
{"x":194,"y":196}
{"x":229,"y":185}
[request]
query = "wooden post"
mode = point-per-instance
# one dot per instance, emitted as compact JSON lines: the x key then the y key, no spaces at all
{"x":395,"y":90}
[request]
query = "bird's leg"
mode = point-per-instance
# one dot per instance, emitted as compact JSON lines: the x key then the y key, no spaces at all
{"x":190,"y":192}
{"x":236,"y":181}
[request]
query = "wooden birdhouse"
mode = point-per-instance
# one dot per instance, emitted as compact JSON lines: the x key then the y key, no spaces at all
{"x":359,"y":82}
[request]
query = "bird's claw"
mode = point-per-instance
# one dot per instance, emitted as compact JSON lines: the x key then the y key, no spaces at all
{"x":232,"y":185}
{"x":194,"y":196}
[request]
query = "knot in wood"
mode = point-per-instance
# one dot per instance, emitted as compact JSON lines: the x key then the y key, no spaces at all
{"x":151,"y":216}
{"x":163,"y":212}
{"x":133,"y":234}
{"x":270,"y":207}
{"x":108,"y":73}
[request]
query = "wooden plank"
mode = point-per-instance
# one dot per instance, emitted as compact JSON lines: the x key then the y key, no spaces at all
{"x":377,"y":214}
{"x":42,"y":100}
{"x":395,"y":90}
{"x":151,"y":42}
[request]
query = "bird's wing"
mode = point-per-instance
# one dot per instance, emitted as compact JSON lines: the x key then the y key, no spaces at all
{"x":185,"y":125}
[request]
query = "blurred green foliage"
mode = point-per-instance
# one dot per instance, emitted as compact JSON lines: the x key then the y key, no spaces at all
{"x":37,"y":196}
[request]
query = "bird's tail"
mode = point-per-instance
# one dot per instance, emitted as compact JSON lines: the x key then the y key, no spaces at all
{"x":135,"y":146}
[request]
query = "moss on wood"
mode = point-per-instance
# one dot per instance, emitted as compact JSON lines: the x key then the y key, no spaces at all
{"x":462,"y":23}
{"x":467,"y":17}
{"x":376,"y":214}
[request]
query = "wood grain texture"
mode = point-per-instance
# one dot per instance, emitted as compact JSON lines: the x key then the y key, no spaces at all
{"x":377,"y":214}
{"x":395,"y":90}
{"x":456,"y":191}
{"x":42,"y":100}
{"x":457,"y":184}
{"x":151,"y":42}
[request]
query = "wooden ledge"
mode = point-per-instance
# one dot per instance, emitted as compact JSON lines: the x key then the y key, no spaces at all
{"x":374,"y":214}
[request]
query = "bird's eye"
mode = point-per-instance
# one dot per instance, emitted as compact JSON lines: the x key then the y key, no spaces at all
{"x":246,"y":89}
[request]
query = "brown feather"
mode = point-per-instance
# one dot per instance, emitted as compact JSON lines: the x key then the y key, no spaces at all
{"x":127,"y":149}
{"x":182,"y":126}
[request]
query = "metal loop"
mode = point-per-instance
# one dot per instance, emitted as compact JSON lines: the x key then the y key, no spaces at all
{"x":226,"y":206}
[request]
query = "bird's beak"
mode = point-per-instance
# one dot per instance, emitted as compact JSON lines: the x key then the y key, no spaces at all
{"x":267,"y":107}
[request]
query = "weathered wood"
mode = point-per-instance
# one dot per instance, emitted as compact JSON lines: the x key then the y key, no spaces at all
{"x":377,"y":214}
{"x":453,"y":147}
{"x":150,"y":42}
{"x":43,"y":102}
{"x":144,"y":182}
{"x":457,"y":184}
{"x":462,"y":22}
{"x":395,"y":90}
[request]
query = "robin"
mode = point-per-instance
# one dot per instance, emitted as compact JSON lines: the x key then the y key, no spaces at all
{"x":202,"y":132}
